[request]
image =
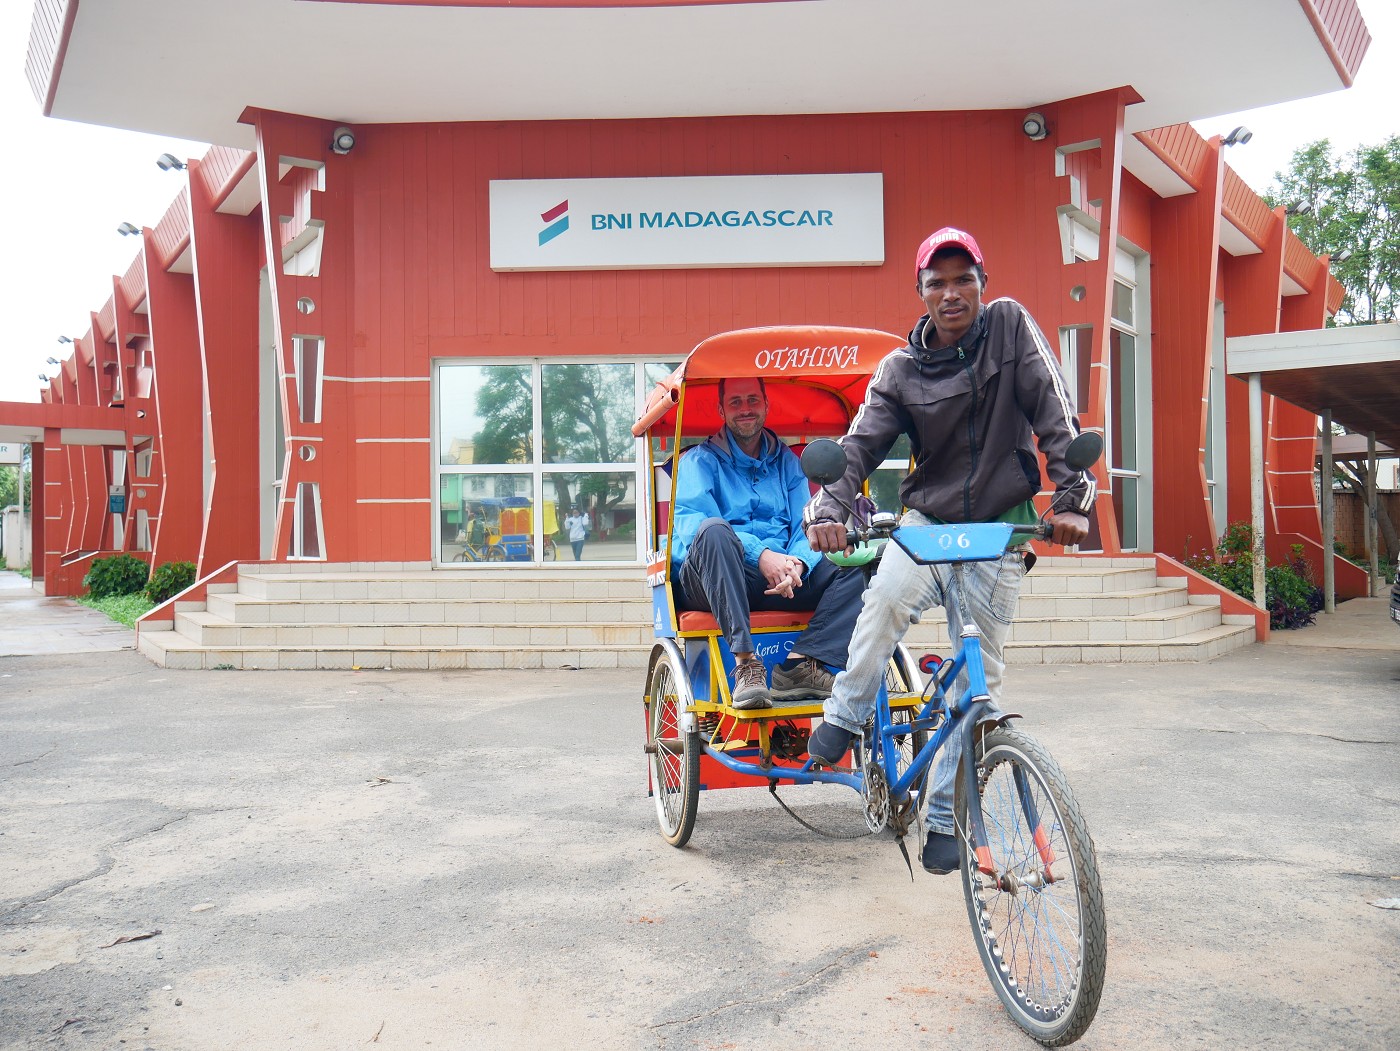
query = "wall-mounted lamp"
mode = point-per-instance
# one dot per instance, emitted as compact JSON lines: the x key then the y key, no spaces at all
{"x":342,"y":141}
{"x":1035,"y":126}
{"x":126,"y":229}
{"x":54,"y":361}
{"x":43,"y":378}
{"x":168,"y":162}
{"x":1301,"y":208}
{"x":1238,"y":137}
{"x":1342,"y":256}
{"x":65,"y":339}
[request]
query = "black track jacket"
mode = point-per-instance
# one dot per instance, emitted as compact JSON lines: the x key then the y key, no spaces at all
{"x":969,"y":411}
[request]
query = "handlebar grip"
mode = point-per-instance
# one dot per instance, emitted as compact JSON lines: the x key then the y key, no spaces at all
{"x":1046,"y":531}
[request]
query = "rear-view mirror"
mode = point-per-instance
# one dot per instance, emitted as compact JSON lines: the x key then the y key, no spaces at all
{"x":823,"y":461}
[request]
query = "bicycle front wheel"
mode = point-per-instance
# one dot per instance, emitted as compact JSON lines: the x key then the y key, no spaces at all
{"x":1039,"y":920}
{"x":674,"y":751}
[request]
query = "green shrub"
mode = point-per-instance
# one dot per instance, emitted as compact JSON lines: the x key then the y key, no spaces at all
{"x":169,"y":579}
{"x":1290,"y":595}
{"x":116,"y":575}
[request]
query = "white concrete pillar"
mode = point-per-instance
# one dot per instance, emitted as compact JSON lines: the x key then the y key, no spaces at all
{"x":1329,"y":520}
{"x":1256,"y":481}
{"x":1373,"y":525}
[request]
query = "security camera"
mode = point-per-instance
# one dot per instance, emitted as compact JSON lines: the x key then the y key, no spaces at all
{"x":342,"y":141}
{"x":1035,"y":126}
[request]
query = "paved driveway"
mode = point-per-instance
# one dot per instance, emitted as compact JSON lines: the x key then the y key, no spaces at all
{"x":468,"y":859}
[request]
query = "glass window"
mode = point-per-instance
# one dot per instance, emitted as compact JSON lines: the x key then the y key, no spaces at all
{"x":1123,"y":374}
{"x":587,"y":413}
{"x":1123,"y":303}
{"x":603,"y":508}
{"x":485,"y":414}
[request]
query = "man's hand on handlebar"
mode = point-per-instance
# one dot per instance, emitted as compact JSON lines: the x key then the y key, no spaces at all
{"x":1070,"y":527}
{"x":828,"y":537}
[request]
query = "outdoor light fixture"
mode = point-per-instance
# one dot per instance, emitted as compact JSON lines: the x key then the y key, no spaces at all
{"x":65,"y":339}
{"x":54,"y":361}
{"x":342,"y":140}
{"x":1238,"y":137}
{"x":1301,"y":208}
{"x":168,"y":161}
{"x":1035,"y":126}
{"x":43,"y":378}
{"x":127,"y":228}
{"x":1342,"y":256}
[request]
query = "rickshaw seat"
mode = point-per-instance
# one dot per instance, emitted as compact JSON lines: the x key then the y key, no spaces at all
{"x":699,"y":620}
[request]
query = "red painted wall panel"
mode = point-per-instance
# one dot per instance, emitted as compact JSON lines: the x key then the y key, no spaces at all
{"x":1185,"y":233}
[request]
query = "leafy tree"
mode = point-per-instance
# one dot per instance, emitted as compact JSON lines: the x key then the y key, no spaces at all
{"x":9,"y":487}
{"x":586,"y":413}
{"x":1349,"y":208}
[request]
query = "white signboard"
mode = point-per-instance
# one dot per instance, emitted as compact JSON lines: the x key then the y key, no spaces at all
{"x":11,"y":452}
{"x":721,"y":221}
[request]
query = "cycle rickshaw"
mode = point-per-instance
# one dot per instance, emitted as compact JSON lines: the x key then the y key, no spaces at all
{"x":507,"y":526}
{"x":1029,"y":873}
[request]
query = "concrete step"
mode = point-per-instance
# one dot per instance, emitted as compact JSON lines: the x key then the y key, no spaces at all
{"x":477,"y":585}
{"x":171,"y":649}
{"x":246,"y":609}
{"x":1087,"y":580}
{"x":1154,"y":624}
{"x":1198,"y":646}
{"x":210,"y":629}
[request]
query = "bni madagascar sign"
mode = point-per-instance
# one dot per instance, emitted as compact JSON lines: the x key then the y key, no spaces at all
{"x":721,"y":221}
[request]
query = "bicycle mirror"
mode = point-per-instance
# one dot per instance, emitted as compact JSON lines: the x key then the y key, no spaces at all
{"x":1083,"y":452}
{"x":823,"y":461}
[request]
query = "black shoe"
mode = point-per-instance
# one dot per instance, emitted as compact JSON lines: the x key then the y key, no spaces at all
{"x":941,"y":853}
{"x":829,"y":743}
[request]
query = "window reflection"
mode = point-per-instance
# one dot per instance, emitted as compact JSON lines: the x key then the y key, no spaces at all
{"x":607,"y":501}
{"x":587,"y":413}
{"x":484,"y":414}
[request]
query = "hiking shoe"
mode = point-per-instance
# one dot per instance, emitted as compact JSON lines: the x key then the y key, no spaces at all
{"x":809,"y":679}
{"x":829,"y":743}
{"x":750,"y":686}
{"x":940,"y":853}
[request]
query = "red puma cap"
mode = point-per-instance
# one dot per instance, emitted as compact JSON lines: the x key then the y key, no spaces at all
{"x":948,"y":236}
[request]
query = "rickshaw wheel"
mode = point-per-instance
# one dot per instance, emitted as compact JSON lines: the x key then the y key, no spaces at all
{"x":551,"y":550}
{"x":495,"y":553}
{"x":674,"y":751}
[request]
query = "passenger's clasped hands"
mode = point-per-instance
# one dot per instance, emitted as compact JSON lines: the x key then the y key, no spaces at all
{"x":783,"y":573}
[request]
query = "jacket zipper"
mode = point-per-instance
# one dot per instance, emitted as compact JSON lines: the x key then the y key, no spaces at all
{"x":971,"y":437}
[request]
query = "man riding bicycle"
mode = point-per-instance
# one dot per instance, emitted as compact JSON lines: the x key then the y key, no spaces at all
{"x":970,"y":388}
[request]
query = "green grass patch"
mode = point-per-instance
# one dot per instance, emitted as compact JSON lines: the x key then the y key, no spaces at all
{"x":122,"y":608}
{"x":26,"y":571}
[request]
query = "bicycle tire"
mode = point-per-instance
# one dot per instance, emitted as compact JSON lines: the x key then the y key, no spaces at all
{"x":1044,"y":944}
{"x":496,"y":553}
{"x":674,"y":752}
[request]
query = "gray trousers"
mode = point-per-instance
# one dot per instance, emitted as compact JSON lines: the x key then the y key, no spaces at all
{"x":716,"y":578}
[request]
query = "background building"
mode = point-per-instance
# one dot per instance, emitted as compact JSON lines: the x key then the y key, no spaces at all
{"x":442,"y":250}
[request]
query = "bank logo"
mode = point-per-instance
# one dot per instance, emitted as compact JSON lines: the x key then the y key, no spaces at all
{"x":556,"y":221}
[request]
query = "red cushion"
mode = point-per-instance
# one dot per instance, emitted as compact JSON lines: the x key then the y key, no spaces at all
{"x":697,"y":620}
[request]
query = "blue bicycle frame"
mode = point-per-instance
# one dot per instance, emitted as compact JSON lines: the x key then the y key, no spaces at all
{"x":926,"y":545}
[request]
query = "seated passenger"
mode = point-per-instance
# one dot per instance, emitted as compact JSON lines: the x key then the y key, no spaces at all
{"x":738,"y":545}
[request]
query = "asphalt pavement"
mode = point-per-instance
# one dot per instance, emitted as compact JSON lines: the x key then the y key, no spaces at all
{"x":217,"y":860}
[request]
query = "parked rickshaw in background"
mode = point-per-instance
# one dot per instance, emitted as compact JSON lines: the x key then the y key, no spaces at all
{"x":510,"y":530}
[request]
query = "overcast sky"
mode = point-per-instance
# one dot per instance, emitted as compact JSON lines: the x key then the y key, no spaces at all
{"x":71,"y":185}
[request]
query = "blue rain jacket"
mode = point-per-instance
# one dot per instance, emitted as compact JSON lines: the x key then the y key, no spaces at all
{"x":762,"y":498}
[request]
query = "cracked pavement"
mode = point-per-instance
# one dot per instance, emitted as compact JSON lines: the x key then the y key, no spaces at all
{"x":469,"y":858}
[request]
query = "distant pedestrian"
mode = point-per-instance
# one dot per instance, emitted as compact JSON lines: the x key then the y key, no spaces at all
{"x":578,"y":526}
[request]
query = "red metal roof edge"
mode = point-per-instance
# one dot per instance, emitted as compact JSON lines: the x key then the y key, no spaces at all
{"x":1342,"y":33}
{"x":43,"y":63}
{"x":1181,"y":148}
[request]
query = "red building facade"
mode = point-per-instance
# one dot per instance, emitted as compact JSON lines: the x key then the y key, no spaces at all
{"x":282,"y":371}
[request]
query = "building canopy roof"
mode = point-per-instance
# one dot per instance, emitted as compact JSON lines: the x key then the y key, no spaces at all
{"x":1354,"y":372}
{"x":189,"y":68}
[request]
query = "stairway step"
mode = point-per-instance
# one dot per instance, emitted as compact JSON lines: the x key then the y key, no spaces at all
{"x":1153,"y":624}
{"x":245,"y":609}
{"x":1197,"y":646}
{"x":174,"y":650}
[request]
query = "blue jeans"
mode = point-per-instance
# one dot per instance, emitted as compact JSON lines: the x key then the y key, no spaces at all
{"x":715,"y":577}
{"x":898,"y":596}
